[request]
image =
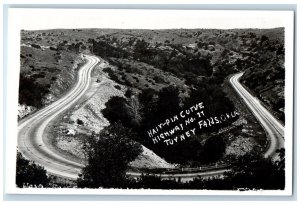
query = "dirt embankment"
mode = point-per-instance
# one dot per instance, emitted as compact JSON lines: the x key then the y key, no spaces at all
{"x":86,"y":117}
{"x":251,"y":136}
{"x":64,"y":81}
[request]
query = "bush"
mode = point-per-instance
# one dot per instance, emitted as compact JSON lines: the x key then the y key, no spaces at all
{"x":119,"y":110}
{"x":36,"y":46}
{"x":30,"y":173}
{"x":108,"y":156}
{"x":117,"y":87}
{"x":213,"y":149}
{"x":31,"y":93}
{"x":80,"y":122}
{"x":256,"y":172}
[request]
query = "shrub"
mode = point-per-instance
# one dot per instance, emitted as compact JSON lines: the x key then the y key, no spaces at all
{"x":30,"y":173}
{"x":108,"y":156}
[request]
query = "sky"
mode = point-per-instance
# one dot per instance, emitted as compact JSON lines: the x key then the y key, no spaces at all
{"x":36,"y":19}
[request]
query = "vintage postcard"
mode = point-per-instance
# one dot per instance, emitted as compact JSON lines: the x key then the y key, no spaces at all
{"x":150,"y":102}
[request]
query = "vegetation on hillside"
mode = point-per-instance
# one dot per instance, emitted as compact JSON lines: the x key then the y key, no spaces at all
{"x":31,"y":92}
{"x":166,"y":102}
{"x":249,"y":172}
{"x":265,"y":73}
{"x":46,"y":72}
{"x":188,"y":54}
{"x":30,"y":174}
{"x":108,"y":155}
{"x":164,"y":71}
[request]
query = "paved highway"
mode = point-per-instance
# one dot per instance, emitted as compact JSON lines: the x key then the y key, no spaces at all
{"x":31,"y":129}
{"x":31,"y":134}
{"x":272,"y":126}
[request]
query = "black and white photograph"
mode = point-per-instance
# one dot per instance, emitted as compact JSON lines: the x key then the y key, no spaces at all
{"x":152,"y":100}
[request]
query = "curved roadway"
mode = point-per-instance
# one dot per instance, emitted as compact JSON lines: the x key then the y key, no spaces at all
{"x":31,"y":129}
{"x":271,"y":125}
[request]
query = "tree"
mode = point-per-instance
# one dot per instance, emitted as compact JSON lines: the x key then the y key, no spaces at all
{"x":108,"y":156}
{"x":30,"y":173}
{"x":117,"y":110}
{"x":213,"y":149}
{"x":280,"y":162}
{"x":256,"y":172}
{"x":264,"y":38}
{"x":214,"y":99}
{"x":141,"y":48}
{"x":31,"y":93}
{"x":168,"y":102}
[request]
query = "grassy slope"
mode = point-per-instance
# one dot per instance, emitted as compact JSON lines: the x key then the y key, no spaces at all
{"x":52,"y":70}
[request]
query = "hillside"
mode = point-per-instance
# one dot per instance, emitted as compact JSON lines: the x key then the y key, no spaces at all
{"x":151,"y":75}
{"x":46,"y":73}
{"x":265,"y":72}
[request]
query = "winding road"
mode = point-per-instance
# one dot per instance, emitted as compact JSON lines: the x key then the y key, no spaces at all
{"x":272,"y":126}
{"x":31,"y":129}
{"x":30,"y":136}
